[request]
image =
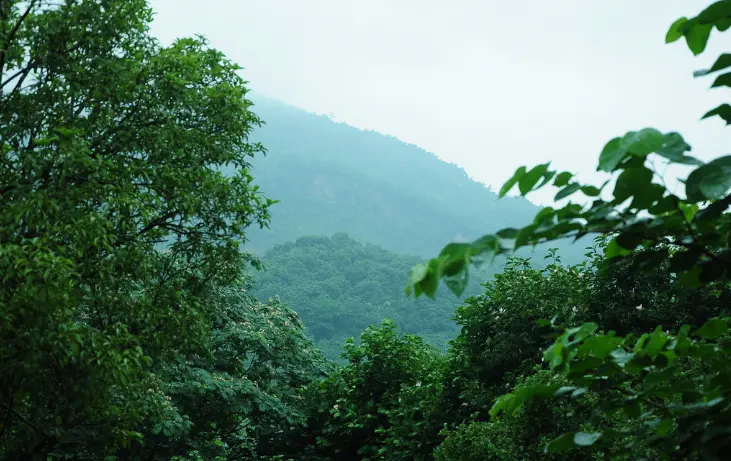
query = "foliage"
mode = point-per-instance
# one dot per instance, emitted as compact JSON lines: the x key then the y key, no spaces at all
{"x":379,"y":405}
{"x":111,"y":146}
{"x":235,"y":402}
{"x":499,"y":339}
{"x":673,"y":387}
{"x":339,"y":287}
{"x":128,"y":325}
{"x":520,"y":437}
{"x":641,"y":213}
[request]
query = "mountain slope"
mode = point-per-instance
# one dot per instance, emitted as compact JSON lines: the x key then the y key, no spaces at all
{"x":331,"y":177}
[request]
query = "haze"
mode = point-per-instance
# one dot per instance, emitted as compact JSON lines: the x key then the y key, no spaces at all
{"x":489,"y":85}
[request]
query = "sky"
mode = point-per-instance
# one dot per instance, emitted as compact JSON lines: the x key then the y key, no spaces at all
{"x":489,"y":85}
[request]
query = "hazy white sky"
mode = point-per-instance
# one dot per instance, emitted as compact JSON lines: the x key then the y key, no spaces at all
{"x":490,"y":85}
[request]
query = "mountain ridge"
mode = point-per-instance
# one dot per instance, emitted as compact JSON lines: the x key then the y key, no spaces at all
{"x":331,"y":177}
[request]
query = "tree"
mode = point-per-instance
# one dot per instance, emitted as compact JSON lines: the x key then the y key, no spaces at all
{"x":672,"y":387}
{"x":112,"y":148}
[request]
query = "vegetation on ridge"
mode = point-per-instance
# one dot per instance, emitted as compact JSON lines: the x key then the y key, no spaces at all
{"x":115,"y":347}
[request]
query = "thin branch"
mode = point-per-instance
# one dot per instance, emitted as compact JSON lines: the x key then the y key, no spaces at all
{"x":11,"y":36}
{"x":21,"y":417}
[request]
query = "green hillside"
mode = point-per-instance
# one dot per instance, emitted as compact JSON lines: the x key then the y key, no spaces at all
{"x":331,"y":177}
{"x":340,"y":286}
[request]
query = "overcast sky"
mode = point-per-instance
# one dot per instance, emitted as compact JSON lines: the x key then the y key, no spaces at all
{"x":490,"y":85}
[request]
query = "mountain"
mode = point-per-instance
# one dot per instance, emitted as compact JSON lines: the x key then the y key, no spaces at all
{"x":331,"y":177}
{"x":340,"y":286}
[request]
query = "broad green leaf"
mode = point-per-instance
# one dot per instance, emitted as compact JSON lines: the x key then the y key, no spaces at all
{"x":676,"y":30}
{"x":590,"y":191}
{"x":665,"y":427}
{"x":614,"y":249}
{"x":562,"y":179}
{"x":683,"y":260}
{"x":723,"y":25}
{"x":629,"y":240}
{"x":458,"y":283}
{"x":512,"y":181}
{"x":721,"y":63}
{"x":455,"y":258}
{"x":416,"y":275}
{"x":643,"y":142}
{"x":722,"y":80}
{"x":713,"y":269}
{"x":531,"y":178}
{"x":716,"y":12}
{"x":612,"y":155}
{"x":546,"y":214}
{"x":568,"y":190}
{"x":507,"y":233}
{"x":673,"y":147}
{"x":632,"y":181}
{"x":484,"y":249}
{"x":712,"y":329}
{"x":714,"y":210}
{"x":723,"y":111}
{"x":696,"y":36}
{"x":564,"y":442}
{"x":664,"y":205}
{"x":691,"y":278}
{"x":710,"y":181}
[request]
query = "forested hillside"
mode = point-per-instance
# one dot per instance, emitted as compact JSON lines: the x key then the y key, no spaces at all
{"x":331,"y":177}
{"x":131,"y":327}
{"x":340,"y":286}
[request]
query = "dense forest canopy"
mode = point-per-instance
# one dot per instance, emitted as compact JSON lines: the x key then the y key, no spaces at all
{"x":132,"y":326}
{"x":340,"y":286}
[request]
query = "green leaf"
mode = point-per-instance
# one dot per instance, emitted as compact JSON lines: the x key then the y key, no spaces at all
{"x":717,"y":12}
{"x":712,"y":270}
{"x":673,"y":147}
{"x":683,"y":260}
{"x":665,"y":427}
{"x":628,"y":240}
{"x":507,"y":233}
{"x":416,"y":275}
{"x":631,"y":182}
{"x":546,"y":214}
{"x":664,"y":205}
{"x":590,"y":191}
{"x":484,"y":249}
{"x":713,"y":329}
{"x":614,"y":249}
{"x":643,"y":142}
{"x":710,"y":181}
{"x":531,"y":178}
{"x":566,"y":191}
{"x":458,"y":283}
{"x":562,"y":179}
{"x":721,"y":63}
{"x":722,"y":80}
{"x":455,"y":257}
{"x":713,"y":211}
{"x":561,"y":443}
{"x":585,"y":439}
{"x":697,"y":37}
{"x":512,"y":181}
{"x":691,"y":278}
{"x":723,"y":111}
{"x":723,"y":25}
{"x":612,"y":155}
{"x":676,"y":30}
